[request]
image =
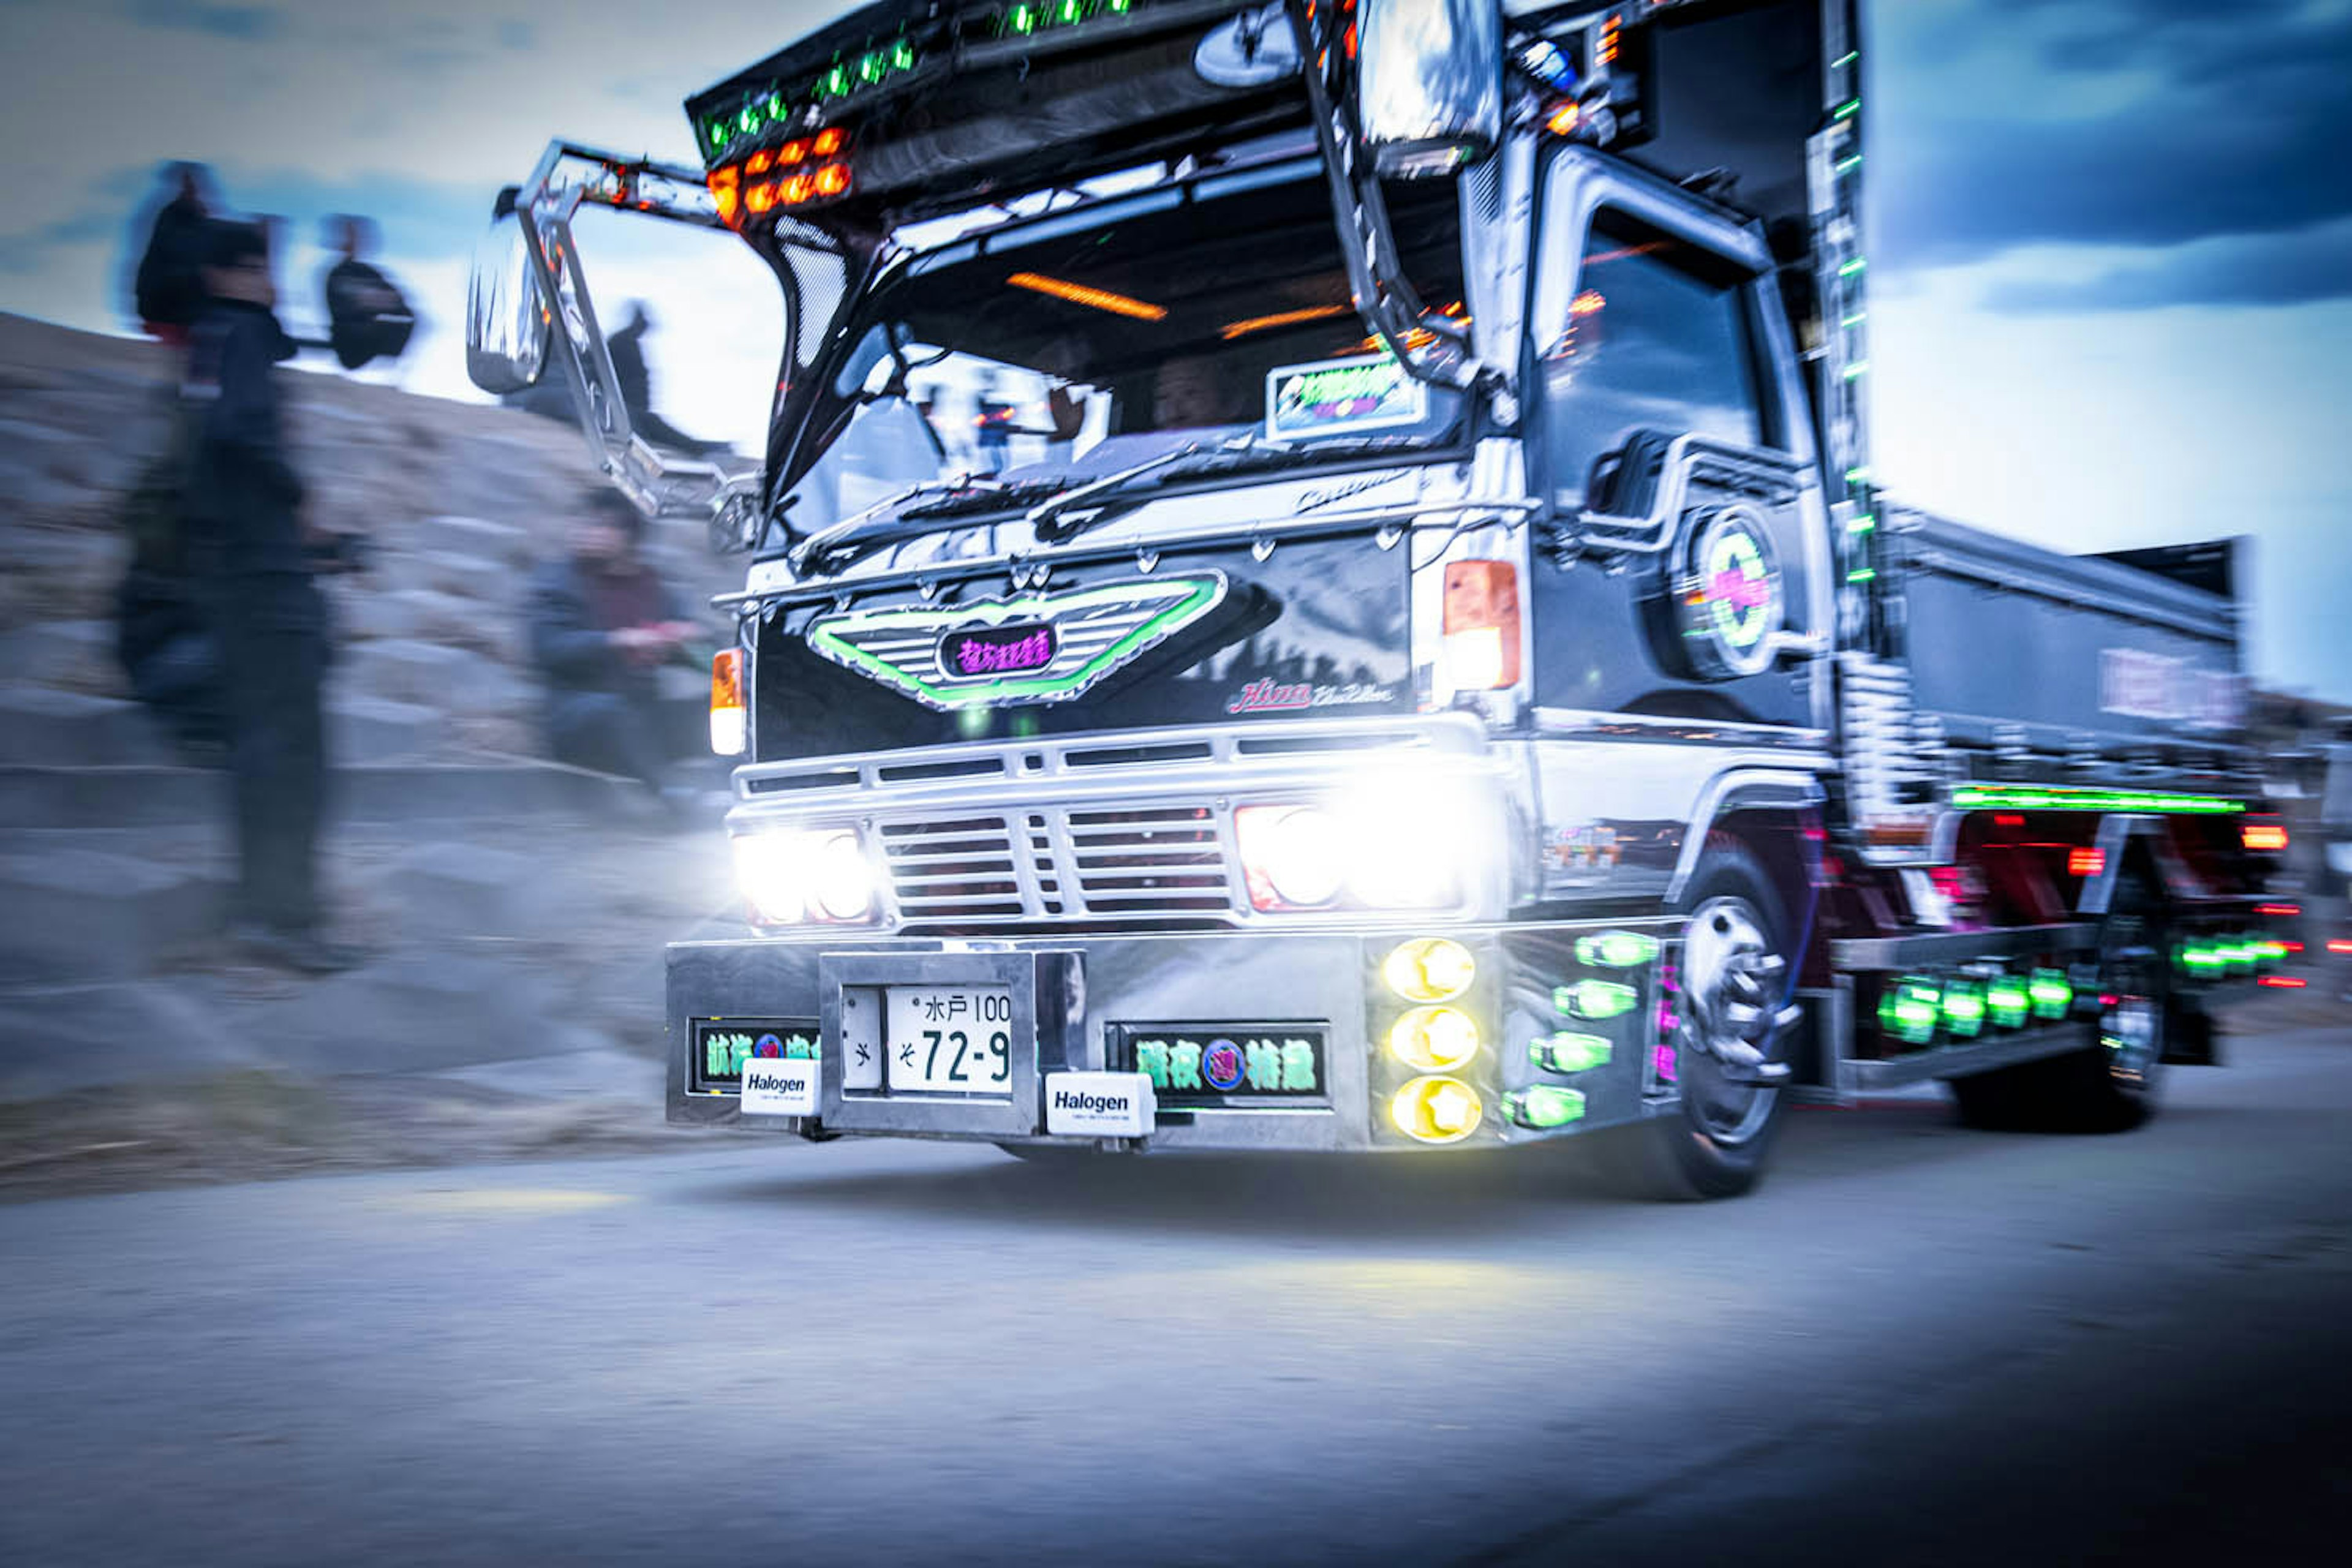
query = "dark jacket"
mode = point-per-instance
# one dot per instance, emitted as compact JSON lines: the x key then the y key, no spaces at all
{"x":570,"y":642}
{"x":169,"y":290}
{"x":367,"y":316}
{"x":243,"y":497}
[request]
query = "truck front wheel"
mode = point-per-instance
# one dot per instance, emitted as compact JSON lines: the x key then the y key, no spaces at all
{"x":1735,"y":975}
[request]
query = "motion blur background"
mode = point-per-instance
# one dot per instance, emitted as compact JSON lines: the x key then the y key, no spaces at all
{"x":2111,"y":265}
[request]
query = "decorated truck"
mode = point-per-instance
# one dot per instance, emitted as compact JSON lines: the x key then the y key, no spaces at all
{"x":1316,"y":584}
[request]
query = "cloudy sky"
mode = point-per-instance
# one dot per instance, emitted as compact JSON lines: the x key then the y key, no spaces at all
{"x":2112,"y":248}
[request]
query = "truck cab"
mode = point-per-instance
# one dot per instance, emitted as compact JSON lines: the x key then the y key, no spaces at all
{"x":1316,"y":585}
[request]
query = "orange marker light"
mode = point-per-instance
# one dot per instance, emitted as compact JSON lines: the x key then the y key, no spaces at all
{"x":1588,"y":304}
{"x":829,"y":141}
{"x":2267,"y":838}
{"x":1481,"y":624}
{"x":1242,"y":328}
{"x":759,"y":163}
{"x":832,"y":179}
{"x":798,"y":188}
{"x":729,"y":721}
{"x":1079,"y":294}
{"x":791,"y":153}
{"x":2086,"y":862}
{"x":1563,"y":119}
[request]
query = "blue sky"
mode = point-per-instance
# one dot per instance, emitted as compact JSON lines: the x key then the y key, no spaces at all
{"x":2112,"y":246}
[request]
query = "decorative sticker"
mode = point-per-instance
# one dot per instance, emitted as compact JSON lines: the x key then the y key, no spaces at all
{"x":1333,"y":397}
{"x":1729,"y":596}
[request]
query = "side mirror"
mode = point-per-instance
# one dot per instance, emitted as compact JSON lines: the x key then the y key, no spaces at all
{"x":1430,"y":83}
{"x":507,"y":322}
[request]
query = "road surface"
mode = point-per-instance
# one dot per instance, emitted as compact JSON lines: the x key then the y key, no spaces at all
{"x":1916,"y":1344}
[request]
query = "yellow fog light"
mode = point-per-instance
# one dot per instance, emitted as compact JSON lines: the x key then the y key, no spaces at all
{"x":1434,"y":1039}
{"x":1436,"y":1109}
{"x":1430,"y":968}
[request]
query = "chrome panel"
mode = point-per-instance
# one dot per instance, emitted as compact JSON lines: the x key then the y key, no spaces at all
{"x":1891,"y":952}
{"x":1961,"y":1060}
{"x":1135,"y":826}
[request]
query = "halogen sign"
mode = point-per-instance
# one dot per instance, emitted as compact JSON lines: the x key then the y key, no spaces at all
{"x":1728,"y":598}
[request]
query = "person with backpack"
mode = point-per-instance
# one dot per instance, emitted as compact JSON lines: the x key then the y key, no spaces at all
{"x":367,"y":316}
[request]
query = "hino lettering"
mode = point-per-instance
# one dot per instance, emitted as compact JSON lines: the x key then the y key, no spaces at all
{"x":1123,"y":763}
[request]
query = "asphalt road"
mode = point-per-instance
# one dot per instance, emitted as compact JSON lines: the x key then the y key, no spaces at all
{"x":1916,"y":1344}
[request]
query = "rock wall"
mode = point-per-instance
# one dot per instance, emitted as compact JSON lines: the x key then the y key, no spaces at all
{"x":458,"y":499}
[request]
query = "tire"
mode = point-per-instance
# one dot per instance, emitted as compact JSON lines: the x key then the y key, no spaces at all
{"x":2111,"y":1082}
{"x":1717,"y":1140}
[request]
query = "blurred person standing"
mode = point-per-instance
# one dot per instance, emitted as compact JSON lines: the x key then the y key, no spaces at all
{"x":603,"y":625}
{"x":167,"y":288}
{"x":368,"y":318}
{"x":251,"y":567}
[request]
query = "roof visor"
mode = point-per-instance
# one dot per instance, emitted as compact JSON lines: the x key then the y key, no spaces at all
{"x":935,"y":102}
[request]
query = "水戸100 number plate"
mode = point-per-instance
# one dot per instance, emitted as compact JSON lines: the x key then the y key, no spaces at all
{"x":948,"y":1040}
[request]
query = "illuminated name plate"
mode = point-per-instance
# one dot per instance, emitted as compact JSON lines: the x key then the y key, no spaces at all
{"x":1228,"y":1065}
{"x":721,"y":1046}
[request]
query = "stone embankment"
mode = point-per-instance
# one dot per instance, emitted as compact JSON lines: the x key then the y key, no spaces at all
{"x":514,"y":911}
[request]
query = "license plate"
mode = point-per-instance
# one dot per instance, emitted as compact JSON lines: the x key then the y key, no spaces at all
{"x":948,"y":1040}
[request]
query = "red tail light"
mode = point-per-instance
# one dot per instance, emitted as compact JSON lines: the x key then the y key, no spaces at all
{"x":2086,"y":862}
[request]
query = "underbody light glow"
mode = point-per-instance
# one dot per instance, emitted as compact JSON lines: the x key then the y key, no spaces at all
{"x":2008,"y":1000}
{"x":1565,"y":1053}
{"x":1436,"y":1109}
{"x":1093,"y":298}
{"x":2036,"y":797}
{"x":1593,"y":999}
{"x":1964,"y":1009}
{"x":1545,"y":1105}
{"x":1908,"y":1010}
{"x":2051,"y":992}
{"x":1616,"y":949}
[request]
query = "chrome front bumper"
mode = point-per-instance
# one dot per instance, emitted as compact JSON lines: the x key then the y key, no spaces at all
{"x":1088,"y":998}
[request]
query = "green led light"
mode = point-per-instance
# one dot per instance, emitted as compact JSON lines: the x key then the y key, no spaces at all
{"x":1848,"y":165}
{"x":1851,"y":268}
{"x":2269,"y":950}
{"x":1856,"y":476}
{"x":874,"y":66}
{"x":1856,"y":371}
{"x":1616,"y":949}
{"x":1846,"y":60}
{"x":1543,"y":1106}
{"x":1865,"y":575}
{"x":1849,"y":108}
{"x":1070,"y":11}
{"x":2056,"y":797}
{"x":1022,"y":20}
{"x":2202,"y":963}
{"x":1908,"y":1010}
{"x":836,"y":82}
{"x":1593,"y":999}
{"x":2052,"y":993}
{"x":1855,"y":320}
{"x":1964,"y":1009}
{"x":902,"y":56}
{"x":1116,"y":8}
{"x":1862,"y":524}
{"x":1569,"y":1053}
{"x":2008,"y":1000}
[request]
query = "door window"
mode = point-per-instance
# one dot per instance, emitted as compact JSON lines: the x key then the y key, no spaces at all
{"x":1656,"y":338}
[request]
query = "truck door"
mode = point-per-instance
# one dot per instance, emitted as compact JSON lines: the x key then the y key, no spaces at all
{"x":1687,"y":576}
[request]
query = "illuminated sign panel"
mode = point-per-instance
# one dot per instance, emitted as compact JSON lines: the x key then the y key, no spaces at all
{"x":1335,"y":396}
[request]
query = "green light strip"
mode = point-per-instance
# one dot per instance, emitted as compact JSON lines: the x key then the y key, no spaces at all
{"x":1851,"y":268}
{"x":2030,"y":798}
{"x":1849,"y":108}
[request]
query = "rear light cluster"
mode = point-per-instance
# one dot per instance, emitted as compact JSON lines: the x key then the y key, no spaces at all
{"x":1481,"y":626}
{"x":804,"y":171}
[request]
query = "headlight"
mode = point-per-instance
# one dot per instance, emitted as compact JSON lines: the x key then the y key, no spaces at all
{"x":792,"y":878}
{"x":1434,"y":1039}
{"x":1378,"y":848}
{"x":1294,"y":856}
{"x":1436,"y":1109}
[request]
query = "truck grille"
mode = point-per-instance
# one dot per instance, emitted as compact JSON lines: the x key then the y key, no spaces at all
{"x":1129,"y":862}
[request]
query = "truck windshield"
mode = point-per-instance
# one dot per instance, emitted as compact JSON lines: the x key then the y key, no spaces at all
{"x":1080,"y":345}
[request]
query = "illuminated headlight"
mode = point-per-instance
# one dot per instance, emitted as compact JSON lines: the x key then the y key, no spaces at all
{"x":1379,"y":849}
{"x":1293,"y":854}
{"x":1430,"y":968}
{"x":793,"y":878}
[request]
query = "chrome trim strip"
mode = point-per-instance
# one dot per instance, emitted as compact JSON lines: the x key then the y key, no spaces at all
{"x":1889,"y":953}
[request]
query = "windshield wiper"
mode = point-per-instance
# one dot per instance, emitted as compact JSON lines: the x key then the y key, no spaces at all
{"x":1251,"y":451}
{"x":876,"y":527}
